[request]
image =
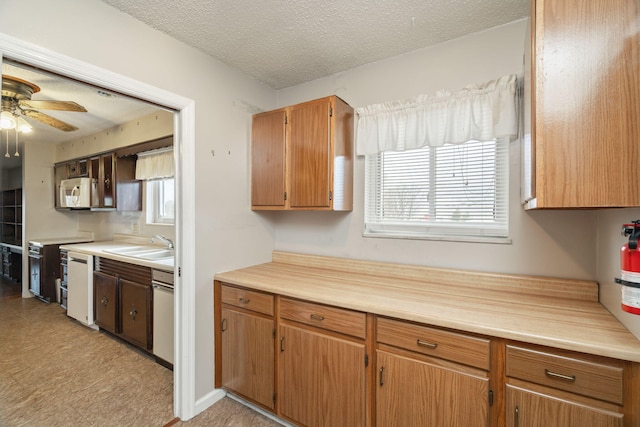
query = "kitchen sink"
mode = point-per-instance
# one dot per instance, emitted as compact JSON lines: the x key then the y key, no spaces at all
{"x":143,"y":252}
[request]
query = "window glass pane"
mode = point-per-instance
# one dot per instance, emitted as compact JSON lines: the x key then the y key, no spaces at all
{"x":451,"y":190}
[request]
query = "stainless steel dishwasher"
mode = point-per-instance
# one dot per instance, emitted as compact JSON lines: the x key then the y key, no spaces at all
{"x":163,"y":342}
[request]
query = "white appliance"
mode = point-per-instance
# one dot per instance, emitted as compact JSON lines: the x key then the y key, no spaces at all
{"x":163,"y":314}
{"x":76,"y":192}
{"x":80,"y":288}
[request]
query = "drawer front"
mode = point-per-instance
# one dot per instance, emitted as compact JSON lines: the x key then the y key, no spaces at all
{"x":245,"y":298}
{"x":575,"y":374}
{"x":332,"y":318}
{"x":452,"y":346}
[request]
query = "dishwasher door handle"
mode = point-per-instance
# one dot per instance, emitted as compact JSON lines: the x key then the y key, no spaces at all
{"x":81,"y":261}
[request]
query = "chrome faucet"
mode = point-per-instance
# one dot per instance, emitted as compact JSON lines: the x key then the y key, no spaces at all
{"x":164,"y":240}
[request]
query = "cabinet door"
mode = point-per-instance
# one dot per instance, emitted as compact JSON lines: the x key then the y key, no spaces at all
{"x":529,"y":409}
{"x":107,"y":175}
{"x":310,"y":155}
{"x":105,"y":301}
{"x":321,"y":379}
{"x":268,"y":159}
{"x":248,"y":356}
{"x":414,"y":393}
{"x":136,"y":313}
{"x":587,"y":103}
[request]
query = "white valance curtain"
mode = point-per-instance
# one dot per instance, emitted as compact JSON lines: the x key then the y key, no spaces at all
{"x":155,"y":164}
{"x":479,"y":112}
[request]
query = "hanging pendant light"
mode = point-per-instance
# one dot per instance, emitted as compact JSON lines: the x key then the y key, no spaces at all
{"x":16,"y":154}
{"x":7,"y":138}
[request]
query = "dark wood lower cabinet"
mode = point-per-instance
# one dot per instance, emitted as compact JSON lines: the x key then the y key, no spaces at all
{"x":136,"y":313}
{"x":123,"y":301}
{"x":105,"y":294}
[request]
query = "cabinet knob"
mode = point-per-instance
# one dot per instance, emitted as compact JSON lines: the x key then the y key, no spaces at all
{"x":133,"y":312}
{"x":104,"y":301}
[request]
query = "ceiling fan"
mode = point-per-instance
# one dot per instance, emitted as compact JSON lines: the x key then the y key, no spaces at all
{"x":16,"y":100}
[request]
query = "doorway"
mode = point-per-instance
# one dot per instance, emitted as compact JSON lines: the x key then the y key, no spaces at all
{"x":184,"y":141}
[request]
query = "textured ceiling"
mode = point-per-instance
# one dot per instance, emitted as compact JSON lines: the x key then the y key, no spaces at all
{"x":285,"y":42}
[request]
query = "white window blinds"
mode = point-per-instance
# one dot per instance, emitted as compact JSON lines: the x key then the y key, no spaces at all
{"x":453,"y":190}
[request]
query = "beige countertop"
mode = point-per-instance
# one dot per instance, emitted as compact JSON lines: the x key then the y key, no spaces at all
{"x":560,"y":313}
{"x":101,"y":249}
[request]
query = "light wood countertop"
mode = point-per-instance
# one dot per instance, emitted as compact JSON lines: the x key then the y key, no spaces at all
{"x":560,"y":313}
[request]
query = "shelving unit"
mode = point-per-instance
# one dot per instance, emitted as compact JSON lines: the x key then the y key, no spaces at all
{"x":11,"y":237}
{"x":11,"y":219}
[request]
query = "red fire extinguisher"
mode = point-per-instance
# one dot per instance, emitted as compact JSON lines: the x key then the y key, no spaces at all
{"x":630,"y":268}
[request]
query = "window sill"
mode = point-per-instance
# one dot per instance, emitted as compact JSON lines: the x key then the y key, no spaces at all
{"x":461,"y":238}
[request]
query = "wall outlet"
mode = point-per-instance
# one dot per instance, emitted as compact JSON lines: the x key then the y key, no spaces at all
{"x":135,"y":228}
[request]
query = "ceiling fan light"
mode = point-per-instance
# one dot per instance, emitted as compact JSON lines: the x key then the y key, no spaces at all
{"x":22,"y":125}
{"x":7,"y":120}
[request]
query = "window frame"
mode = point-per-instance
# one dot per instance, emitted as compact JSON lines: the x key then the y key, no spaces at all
{"x":432,"y":230}
{"x":153,"y":200}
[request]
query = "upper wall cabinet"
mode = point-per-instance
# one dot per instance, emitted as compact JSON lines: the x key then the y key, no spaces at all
{"x":302,"y":157}
{"x":583,"y":145}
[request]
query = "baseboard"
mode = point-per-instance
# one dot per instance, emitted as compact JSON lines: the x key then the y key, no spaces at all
{"x":209,"y":399}
{"x":260,"y":410}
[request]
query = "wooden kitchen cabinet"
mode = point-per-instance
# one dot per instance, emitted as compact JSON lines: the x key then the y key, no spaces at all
{"x":105,"y":303}
{"x":553,"y":388}
{"x":115,"y":186}
{"x":321,"y":379}
{"x":246,"y":334}
{"x":430,"y":377}
{"x":582,"y":140}
{"x":122,"y":301}
{"x":302,"y":157}
{"x":136,"y":313}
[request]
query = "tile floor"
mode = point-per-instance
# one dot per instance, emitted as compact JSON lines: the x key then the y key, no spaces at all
{"x":56,"y":372}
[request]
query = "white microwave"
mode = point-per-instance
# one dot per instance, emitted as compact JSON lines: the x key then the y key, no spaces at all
{"x":76,"y":192}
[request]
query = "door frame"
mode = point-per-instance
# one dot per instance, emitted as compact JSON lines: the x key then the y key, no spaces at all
{"x":184,"y":399}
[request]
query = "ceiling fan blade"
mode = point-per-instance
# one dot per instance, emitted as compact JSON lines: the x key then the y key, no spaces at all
{"x":53,"y":105}
{"x":48,"y":120}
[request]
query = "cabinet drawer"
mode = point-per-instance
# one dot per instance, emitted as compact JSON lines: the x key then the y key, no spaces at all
{"x":577,"y":374}
{"x":332,"y":318}
{"x":452,"y":346}
{"x":245,"y":298}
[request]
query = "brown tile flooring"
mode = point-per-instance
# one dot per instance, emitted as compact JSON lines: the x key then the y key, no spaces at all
{"x":56,"y":372}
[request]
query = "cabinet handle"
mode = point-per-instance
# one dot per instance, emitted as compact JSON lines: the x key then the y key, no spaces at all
{"x":516,"y":417}
{"x":244,"y":300}
{"x":224,"y":324}
{"x":380,"y":381}
{"x":104,"y":301}
{"x":281,"y":344}
{"x":316,"y":317}
{"x":552,"y":374}
{"x":426,"y":344}
{"x":133,"y":312}
{"x":107,"y":182}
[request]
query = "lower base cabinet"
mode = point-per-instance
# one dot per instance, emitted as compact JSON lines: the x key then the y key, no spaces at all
{"x":339,"y":367}
{"x":247,"y":356}
{"x":105,"y":303}
{"x":526,"y":408}
{"x":122,"y":302}
{"x":322,"y":379}
{"x":412,"y":392}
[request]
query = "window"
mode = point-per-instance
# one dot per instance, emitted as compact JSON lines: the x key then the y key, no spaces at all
{"x":160,"y":201}
{"x":456,"y":191}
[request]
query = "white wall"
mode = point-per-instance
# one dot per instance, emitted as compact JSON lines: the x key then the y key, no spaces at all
{"x":229,"y":234}
{"x":551,"y":243}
